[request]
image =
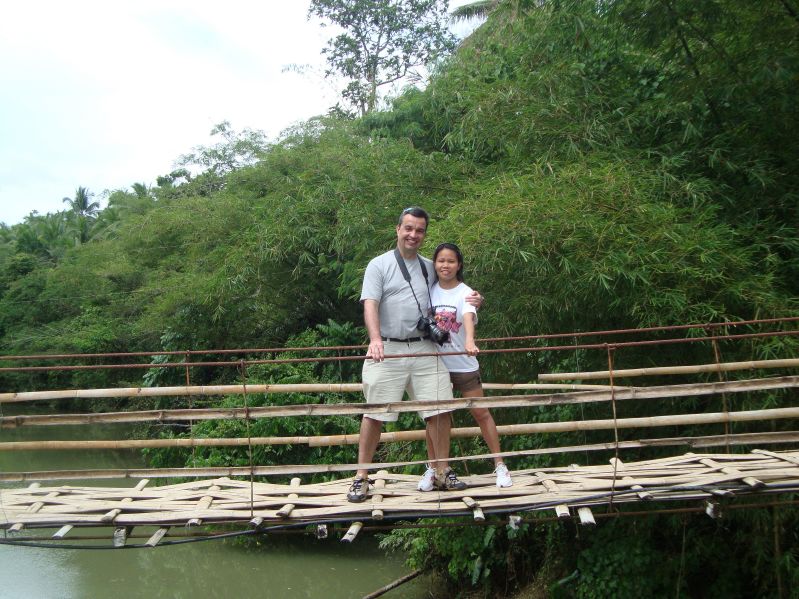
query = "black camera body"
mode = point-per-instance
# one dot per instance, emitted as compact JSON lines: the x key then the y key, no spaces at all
{"x":428,"y":325}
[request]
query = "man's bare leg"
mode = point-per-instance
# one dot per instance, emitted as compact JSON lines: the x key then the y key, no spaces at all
{"x":437,"y":431}
{"x":368,"y":439}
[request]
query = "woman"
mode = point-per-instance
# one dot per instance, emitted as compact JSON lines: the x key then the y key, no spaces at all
{"x":454,"y":315}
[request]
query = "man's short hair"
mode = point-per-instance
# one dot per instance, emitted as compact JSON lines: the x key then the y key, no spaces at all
{"x":417,"y":212}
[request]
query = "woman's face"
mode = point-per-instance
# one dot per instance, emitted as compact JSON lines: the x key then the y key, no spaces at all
{"x":447,"y":265}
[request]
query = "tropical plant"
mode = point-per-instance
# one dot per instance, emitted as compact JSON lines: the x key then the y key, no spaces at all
{"x":82,"y":213}
{"x":383,"y":42}
{"x":474,"y":10}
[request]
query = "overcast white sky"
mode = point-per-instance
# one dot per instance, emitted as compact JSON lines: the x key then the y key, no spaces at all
{"x":104,"y":94}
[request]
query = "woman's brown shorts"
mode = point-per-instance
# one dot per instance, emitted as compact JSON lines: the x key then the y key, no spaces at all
{"x":466,"y":381}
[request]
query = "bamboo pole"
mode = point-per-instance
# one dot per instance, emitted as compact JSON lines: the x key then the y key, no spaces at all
{"x":149,"y":443}
{"x":353,"y":531}
{"x":377,"y":497}
{"x":586,"y":516}
{"x":203,"y":504}
{"x":662,"y":370}
{"x":542,"y":387}
{"x":33,"y":508}
{"x":777,"y":456}
{"x":215,"y":390}
{"x":503,"y":401}
{"x":287,"y":508}
{"x":157,"y":536}
{"x":393,"y":585}
{"x":201,"y":390}
{"x":561,"y":510}
{"x":752,"y":482}
{"x":62,"y":532}
{"x":416,"y":435}
{"x":477,"y":511}
{"x":166,"y":519}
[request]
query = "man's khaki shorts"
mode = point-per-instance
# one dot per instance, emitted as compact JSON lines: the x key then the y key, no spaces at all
{"x":424,"y":378}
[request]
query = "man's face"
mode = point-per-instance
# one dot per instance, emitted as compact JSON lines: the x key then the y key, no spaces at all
{"x":410,"y":233}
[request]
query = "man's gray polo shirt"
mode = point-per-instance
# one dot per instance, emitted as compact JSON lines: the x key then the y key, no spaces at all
{"x":398,"y":312}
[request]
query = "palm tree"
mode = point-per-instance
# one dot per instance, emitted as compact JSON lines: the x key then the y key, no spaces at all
{"x":141,"y":190}
{"x":51,"y":229}
{"x":82,"y":205}
{"x":480,"y":9}
{"x":82,"y":213}
{"x":42,"y":235}
{"x":477,"y":9}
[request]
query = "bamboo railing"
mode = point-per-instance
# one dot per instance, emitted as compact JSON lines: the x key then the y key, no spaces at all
{"x":417,"y":435}
{"x":215,"y":390}
{"x":670,"y":370}
{"x":503,"y":401}
{"x":208,"y":502}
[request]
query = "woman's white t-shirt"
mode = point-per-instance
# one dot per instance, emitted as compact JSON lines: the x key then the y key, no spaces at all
{"x":449,"y":306}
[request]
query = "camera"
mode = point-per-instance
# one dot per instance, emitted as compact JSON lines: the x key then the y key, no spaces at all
{"x":428,"y":325}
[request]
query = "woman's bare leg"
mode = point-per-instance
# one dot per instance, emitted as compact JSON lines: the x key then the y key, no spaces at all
{"x":487,"y":425}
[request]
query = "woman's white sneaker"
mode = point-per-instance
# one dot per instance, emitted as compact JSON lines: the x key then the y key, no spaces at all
{"x":428,"y":480}
{"x":503,"y":476}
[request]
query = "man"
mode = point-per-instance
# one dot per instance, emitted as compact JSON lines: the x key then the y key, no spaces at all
{"x":392,"y":305}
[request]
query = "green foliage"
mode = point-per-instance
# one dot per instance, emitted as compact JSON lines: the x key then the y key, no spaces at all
{"x":476,"y":9}
{"x":461,"y":554}
{"x":625,"y":564}
{"x":47,"y":237}
{"x":329,"y":334}
{"x":494,"y":557}
{"x":404,"y":120}
{"x":700,"y":95}
{"x":123,"y":204}
{"x":236,"y":150}
{"x":689,"y":556}
{"x":603,"y":233}
{"x":81,"y":214}
{"x":382,"y":42}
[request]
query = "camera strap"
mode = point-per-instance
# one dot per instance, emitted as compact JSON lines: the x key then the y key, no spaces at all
{"x":407,"y":276}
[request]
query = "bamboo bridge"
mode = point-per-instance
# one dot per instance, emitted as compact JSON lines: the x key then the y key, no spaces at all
{"x":719,"y":471}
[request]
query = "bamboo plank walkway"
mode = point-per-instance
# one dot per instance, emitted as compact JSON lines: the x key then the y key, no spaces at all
{"x":224,"y":500}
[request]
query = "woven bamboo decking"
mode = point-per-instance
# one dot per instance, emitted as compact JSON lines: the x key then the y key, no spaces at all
{"x":394,"y":496}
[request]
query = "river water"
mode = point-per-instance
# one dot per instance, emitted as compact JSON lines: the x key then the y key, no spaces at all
{"x":279,"y":567}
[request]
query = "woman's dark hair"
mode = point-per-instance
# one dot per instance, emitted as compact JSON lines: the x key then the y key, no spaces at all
{"x":458,"y":255}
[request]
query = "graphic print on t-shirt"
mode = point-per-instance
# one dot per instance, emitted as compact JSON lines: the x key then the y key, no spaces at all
{"x":447,"y":318}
